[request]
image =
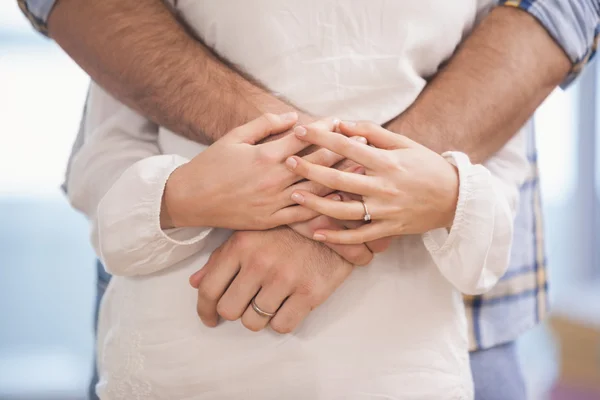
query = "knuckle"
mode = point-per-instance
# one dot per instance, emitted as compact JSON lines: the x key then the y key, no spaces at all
{"x":205,"y":292}
{"x":256,"y":268}
{"x":266,"y":156}
{"x":241,"y":240}
{"x":390,"y":191}
{"x":313,"y":293}
{"x":388,"y":162}
{"x":369,"y":124}
{"x":283,"y":323}
{"x":316,"y":189}
{"x":360,"y":256}
{"x":364,"y":125}
{"x":317,"y":296}
{"x":306,"y":287}
{"x":361,"y":238}
{"x":270,"y":118}
{"x":281,"y":327}
{"x":284,"y":278}
{"x":251,"y":324}
{"x":227,"y":312}
{"x":319,"y":124}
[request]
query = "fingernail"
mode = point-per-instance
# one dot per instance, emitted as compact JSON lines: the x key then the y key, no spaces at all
{"x":300,"y":131}
{"x":349,"y":123}
{"x":298,"y":198}
{"x":359,"y":139}
{"x":318,"y":237}
{"x":337,"y":197}
{"x":291,"y":162}
{"x":336,"y":123}
{"x":290,"y":116}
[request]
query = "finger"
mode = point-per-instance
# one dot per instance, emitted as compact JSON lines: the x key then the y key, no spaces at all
{"x":221,"y":271}
{"x":364,"y":234}
{"x":379,"y":245}
{"x":285,"y":146}
{"x":197,"y":276}
{"x":261,"y":127}
{"x":306,"y":186}
{"x":355,"y":254}
{"x":334,"y":179}
{"x":351,"y":210}
{"x":291,"y":144}
{"x":340,"y":144}
{"x":328,"y":159}
{"x":375,"y":246}
{"x":283,"y":214}
{"x":375,"y":135}
{"x":241,"y":291}
{"x":268,"y":299}
{"x":328,"y":123}
{"x":293,"y":311}
{"x":292,"y":214}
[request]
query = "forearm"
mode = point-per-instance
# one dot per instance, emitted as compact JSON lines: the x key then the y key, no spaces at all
{"x":165,"y":73}
{"x":489,"y":89}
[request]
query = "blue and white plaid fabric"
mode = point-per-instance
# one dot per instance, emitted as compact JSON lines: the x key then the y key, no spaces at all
{"x":520,"y":300}
{"x":37,"y":11}
{"x":574,"y":24}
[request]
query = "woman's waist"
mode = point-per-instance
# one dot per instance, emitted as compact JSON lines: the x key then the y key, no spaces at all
{"x":392,"y":347}
{"x":387,"y":306}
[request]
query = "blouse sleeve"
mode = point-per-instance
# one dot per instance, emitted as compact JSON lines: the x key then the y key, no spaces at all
{"x":117,"y":180}
{"x":474,"y":253}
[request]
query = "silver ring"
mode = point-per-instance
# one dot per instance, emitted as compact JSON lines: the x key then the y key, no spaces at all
{"x":367,"y":216}
{"x":260,"y":312}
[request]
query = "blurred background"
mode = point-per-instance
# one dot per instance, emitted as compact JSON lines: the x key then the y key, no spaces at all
{"x":47,"y":276}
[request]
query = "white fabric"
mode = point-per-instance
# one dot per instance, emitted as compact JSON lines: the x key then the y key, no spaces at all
{"x":395,"y":329}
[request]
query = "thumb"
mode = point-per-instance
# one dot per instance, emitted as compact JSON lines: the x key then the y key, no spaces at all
{"x":263,"y":126}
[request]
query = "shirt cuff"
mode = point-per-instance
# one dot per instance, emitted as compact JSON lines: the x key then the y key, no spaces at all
{"x":174,"y":236}
{"x":441,"y":240}
{"x":461,"y":252}
{"x":573,"y":24}
{"x":130,"y":240}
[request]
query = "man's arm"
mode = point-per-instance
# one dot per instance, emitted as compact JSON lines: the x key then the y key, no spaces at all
{"x":140,"y":53}
{"x":500,"y":74}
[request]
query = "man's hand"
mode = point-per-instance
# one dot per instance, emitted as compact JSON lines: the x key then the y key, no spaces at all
{"x":357,"y":254}
{"x":288,"y":274}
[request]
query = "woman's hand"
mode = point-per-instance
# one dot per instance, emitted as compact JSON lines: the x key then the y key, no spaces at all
{"x":407,"y":188}
{"x":356,"y":254}
{"x":239,"y":184}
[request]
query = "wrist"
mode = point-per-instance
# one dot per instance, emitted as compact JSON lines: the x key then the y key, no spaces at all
{"x":174,"y":212}
{"x":451,"y":195}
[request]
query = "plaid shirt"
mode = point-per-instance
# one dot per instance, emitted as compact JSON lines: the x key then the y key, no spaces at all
{"x":520,"y":300}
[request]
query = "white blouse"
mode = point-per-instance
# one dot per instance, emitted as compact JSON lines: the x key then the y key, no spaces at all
{"x":395,"y":329}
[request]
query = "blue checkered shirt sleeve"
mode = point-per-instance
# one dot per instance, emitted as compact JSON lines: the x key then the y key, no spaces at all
{"x":574,"y":25}
{"x":37,"y":11}
{"x":520,"y":299}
